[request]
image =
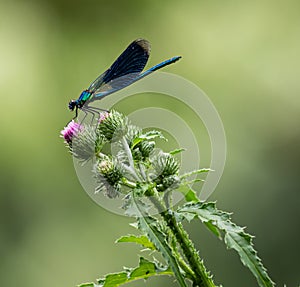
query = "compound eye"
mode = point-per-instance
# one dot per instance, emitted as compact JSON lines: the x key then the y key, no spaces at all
{"x":72,"y":105}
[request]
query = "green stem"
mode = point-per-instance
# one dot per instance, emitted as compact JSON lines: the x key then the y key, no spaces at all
{"x":128,"y":152}
{"x":142,"y":171}
{"x":128,"y":183}
{"x":184,"y":266}
{"x":189,"y":250}
{"x":202,"y":278}
{"x":131,"y":169}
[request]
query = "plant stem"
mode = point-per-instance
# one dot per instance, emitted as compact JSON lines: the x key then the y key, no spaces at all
{"x":202,"y":277}
{"x":128,"y":183}
{"x":196,"y":270}
{"x":184,"y":266}
{"x":142,"y":171}
{"x":189,"y":250}
{"x":131,"y":167}
{"x":128,"y":152}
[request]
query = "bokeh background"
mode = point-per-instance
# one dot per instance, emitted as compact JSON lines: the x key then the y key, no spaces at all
{"x":243,"y":54}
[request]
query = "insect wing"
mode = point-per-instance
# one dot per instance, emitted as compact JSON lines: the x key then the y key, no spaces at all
{"x":131,"y":61}
{"x":126,"y":80}
{"x":115,"y":85}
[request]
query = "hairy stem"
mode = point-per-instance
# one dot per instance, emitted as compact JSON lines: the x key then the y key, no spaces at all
{"x":201,"y":278}
{"x":183,"y":265}
{"x":131,"y":167}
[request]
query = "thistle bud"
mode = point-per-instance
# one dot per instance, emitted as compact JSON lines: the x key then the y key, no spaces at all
{"x":113,"y":126}
{"x":146,"y":147}
{"x":164,"y":164}
{"x":108,"y":174}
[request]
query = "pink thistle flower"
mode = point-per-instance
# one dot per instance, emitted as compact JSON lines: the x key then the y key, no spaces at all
{"x":71,"y":131}
{"x":103,"y":116}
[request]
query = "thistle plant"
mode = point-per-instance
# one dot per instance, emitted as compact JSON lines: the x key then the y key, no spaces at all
{"x":146,"y":177}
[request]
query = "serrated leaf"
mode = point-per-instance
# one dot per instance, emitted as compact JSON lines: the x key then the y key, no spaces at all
{"x":145,"y":270}
{"x":234,"y":236}
{"x":148,"y":225}
{"x":176,"y":151}
{"x":142,"y":240}
{"x":147,"y":136}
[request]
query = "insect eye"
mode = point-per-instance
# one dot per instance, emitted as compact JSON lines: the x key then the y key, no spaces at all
{"x":72,"y":105}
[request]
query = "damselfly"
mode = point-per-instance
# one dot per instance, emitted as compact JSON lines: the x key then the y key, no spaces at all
{"x":126,"y":70}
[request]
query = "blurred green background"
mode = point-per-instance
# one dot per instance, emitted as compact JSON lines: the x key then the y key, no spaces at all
{"x":243,"y":54}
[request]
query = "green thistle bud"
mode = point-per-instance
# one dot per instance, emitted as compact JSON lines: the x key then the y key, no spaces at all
{"x":137,"y":155}
{"x":169,"y":182}
{"x":113,"y":126}
{"x":164,"y":164}
{"x":172,"y":181}
{"x":146,"y":147}
{"x":108,"y":174}
{"x":142,"y":150}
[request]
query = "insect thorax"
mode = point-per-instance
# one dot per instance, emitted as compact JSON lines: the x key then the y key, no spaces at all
{"x":85,"y":95}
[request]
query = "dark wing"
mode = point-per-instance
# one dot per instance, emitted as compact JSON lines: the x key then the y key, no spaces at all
{"x":131,"y":61}
{"x":126,"y":80}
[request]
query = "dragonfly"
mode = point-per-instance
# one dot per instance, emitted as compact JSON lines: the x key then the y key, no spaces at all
{"x":127,"y":69}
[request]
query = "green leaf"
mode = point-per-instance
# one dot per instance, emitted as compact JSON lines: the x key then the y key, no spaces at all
{"x":185,"y":186}
{"x":188,"y":192}
{"x":147,"y":136}
{"x":149,"y":226}
{"x":88,"y":285}
{"x":142,"y":240}
{"x":234,"y":236}
{"x":186,"y":182}
{"x":115,"y":279}
{"x":214,"y":229}
{"x":145,"y":269}
{"x":198,"y":171}
{"x":176,"y":151}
